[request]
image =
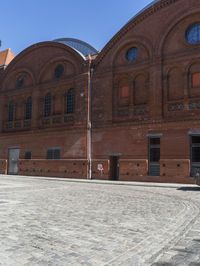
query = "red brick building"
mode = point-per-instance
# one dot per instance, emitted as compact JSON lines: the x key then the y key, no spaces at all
{"x":145,"y":102}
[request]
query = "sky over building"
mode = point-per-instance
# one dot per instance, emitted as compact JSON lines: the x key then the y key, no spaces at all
{"x":24,"y":23}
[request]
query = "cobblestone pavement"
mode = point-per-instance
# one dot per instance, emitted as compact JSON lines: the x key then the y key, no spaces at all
{"x":56,"y":222}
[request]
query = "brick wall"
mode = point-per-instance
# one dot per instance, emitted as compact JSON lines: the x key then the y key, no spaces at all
{"x":96,"y":166}
{"x":3,"y":166}
{"x":54,"y":168}
{"x":133,"y":170}
{"x":175,"y":170}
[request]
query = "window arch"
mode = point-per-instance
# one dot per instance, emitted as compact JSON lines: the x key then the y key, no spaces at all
{"x":47,"y":105}
{"x":70,"y":101}
{"x":11,"y":111}
{"x":28,"y":108}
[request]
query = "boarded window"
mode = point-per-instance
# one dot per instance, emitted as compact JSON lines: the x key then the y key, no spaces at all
{"x":124,"y":92}
{"x":196,"y":80}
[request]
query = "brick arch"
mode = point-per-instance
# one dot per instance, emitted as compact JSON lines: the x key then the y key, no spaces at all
{"x":142,"y":43}
{"x":47,"y":71}
{"x":37,"y":55}
{"x":9,"y":81}
{"x":177,"y":20}
{"x":139,"y":18}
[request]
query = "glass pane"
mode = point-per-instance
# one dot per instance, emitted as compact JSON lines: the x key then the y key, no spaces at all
{"x":47,"y":105}
{"x":155,"y":141}
{"x":132,"y":54}
{"x":154,"y":155}
{"x":196,"y":154}
{"x":193,"y":34}
{"x":70,"y":102}
{"x":196,"y":139}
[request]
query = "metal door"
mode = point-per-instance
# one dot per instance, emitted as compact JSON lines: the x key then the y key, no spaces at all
{"x":154,"y":156}
{"x":114,"y":167}
{"x":13,"y":161}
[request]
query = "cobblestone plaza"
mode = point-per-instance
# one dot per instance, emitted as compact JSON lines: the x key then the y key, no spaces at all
{"x":57,"y":222}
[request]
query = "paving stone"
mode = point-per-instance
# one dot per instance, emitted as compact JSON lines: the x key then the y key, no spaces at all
{"x":93,"y":223}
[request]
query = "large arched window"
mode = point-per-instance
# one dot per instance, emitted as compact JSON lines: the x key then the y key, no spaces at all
{"x":28,"y":108}
{"x":11,"y":111}
{"x":47,"y":104}
{"x":70,"y":102}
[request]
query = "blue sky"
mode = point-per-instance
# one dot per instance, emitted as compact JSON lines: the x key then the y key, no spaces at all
{"x":25,"y":22}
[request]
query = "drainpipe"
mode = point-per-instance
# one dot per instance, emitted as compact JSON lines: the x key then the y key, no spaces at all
{"x":89,"y":121}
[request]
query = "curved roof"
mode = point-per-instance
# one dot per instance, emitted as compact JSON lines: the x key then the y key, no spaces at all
{"x":147,"y":11}
{"x":145,"y":8}
{"x":78,"y":45}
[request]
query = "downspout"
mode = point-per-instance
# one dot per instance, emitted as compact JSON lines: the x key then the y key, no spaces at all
{"x":89,"y":121}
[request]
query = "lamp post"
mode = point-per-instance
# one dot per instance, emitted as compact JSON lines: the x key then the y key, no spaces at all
{"x":89,"y":120}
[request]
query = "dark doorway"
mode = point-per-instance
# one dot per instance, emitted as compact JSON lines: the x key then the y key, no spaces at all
{"x":114,"y":167}
{"x":154,"y":156}
{"x":195,"y":156}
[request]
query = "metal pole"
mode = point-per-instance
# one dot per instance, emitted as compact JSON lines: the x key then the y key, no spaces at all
{"x":89,"y":123}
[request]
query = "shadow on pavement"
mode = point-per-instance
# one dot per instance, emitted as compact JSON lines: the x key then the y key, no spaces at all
{"x":189,"y":188}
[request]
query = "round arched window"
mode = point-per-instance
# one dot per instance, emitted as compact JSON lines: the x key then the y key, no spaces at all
{"x":20,"y":82}
{"x":193,"y":34}
{"x":59,"y":71}
{"x":132,"y":54}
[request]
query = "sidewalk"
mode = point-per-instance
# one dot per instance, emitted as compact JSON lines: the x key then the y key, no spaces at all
{"x":107,"y":182}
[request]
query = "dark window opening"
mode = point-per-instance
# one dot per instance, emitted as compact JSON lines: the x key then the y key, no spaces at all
{"x":154,"y":155}
{"x":11,"y":111}
{"x":70,"y":102}
{"x":20,"y":82}
{"x":59,"y":71}
{"x":28,"y":155}
{"x":196,"y":149}
{"x":28,"y":109}
{"x":53,"y":154}
{"x":47,"y":105}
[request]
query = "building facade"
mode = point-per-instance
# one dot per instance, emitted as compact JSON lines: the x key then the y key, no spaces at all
{"x":144,"y":102}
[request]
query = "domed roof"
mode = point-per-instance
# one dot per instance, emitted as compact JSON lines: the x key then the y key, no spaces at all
{"x":78,"y":45}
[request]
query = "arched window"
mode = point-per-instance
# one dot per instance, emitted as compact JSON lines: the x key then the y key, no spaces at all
{"x":28,"y":108}
{"x":11,"y":111}
{"x":47,"y":104}
{"x":70,"y":102}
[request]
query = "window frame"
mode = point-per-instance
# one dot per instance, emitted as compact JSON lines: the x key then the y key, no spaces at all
{"x":51,"y":153}
{"x":47,"y":106}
